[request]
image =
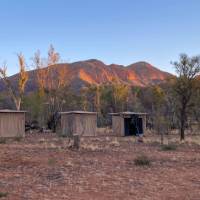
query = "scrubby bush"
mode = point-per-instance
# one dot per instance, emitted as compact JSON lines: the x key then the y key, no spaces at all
{"x":3,"y":194}
{"x":169,"y":147}
{"x":142,"y":160}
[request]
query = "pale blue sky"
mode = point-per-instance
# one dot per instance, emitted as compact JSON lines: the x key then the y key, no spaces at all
{"x":114,"y":31}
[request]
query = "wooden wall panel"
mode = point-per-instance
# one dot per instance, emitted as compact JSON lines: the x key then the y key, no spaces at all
{"x":117,"y":125}
{"x":81,"y":124}
{"x":12,"y":124}
{"x":85,"y":124}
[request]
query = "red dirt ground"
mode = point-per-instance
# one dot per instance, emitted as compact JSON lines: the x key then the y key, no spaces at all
{"x":41,"y":167}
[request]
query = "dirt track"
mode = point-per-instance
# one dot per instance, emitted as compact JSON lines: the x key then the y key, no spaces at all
{"x":42,"y":167}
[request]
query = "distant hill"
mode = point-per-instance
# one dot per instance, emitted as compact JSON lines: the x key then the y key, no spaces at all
{"x":94,"y":71}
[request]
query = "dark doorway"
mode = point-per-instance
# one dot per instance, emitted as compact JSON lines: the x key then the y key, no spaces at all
{"x":133,"y":125}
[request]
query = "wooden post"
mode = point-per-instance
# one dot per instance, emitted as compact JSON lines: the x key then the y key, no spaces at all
{"x":76,"y":144}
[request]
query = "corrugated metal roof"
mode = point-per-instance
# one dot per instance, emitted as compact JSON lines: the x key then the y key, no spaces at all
{"x":12,"y":111}
{"x":78,"y":112}
{"x":128,"y":113}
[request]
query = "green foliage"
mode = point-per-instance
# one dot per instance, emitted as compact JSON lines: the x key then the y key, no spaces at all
{"x":185,"y":88}
{"x":158,"y":96}
{"x":106,"y":99}
{"x":142,"y":160}
{"x":134,"y":103}
{"x":34,"y":104}
{"x":120,"y":94}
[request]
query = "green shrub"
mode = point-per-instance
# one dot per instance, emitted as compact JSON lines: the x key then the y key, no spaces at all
{"x":3,"y":194}
{"x":142,"y":160}
{"x":168,"y":147}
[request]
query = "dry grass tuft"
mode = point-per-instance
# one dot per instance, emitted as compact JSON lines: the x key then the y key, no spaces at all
{"x":90,"y":147}
{"x":115,"y":143}
{"x":42,"y":140}
{"x":142,"y":160}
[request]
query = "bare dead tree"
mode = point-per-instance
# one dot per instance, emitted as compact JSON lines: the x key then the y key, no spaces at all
{"x":53,"y":56}
{"x":16,"y":95}
{"x":41,"y":74}
{"x":51,"y":81}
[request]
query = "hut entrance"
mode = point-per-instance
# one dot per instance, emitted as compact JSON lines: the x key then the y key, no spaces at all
{"x":133,"y":125}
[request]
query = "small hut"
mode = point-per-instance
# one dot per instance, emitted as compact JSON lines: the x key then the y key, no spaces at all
{"x":128,"y":123}
{"x":12,"y":123}
{"x":77,"y":123}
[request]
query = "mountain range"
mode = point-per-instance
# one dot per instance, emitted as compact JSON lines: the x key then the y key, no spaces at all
{"x":95,"y":71}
